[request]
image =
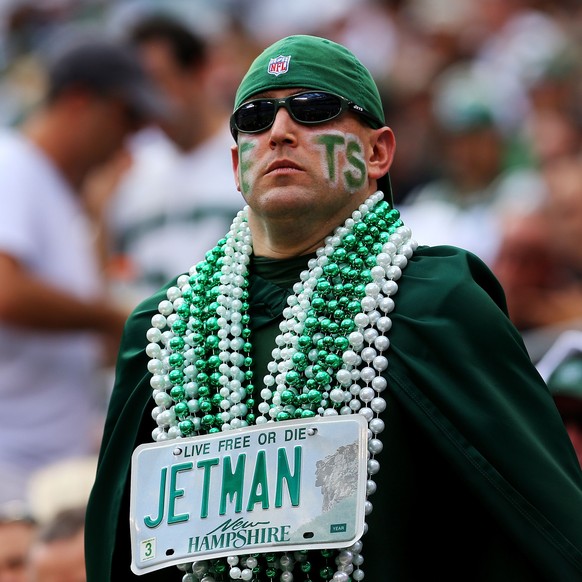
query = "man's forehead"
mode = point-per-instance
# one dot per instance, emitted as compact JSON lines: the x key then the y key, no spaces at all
{"x":275,"y":93}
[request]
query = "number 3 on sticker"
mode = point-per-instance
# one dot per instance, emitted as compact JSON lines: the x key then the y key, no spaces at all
{"x":148,"y":549}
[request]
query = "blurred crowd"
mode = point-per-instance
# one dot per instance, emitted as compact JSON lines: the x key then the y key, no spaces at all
{"x":484,"y":97}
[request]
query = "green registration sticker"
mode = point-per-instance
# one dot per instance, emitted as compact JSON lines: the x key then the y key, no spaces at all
{"x":285,"y":486}
{"x":147,"y":549}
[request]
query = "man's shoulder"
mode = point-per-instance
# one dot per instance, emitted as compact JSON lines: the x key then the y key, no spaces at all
{"x":21,"y":163}
{"x":446,"y":261}
{"x":14,"y":153}
{"x":8,"y":138}
{"x":444,"y":275}
{"x":140,"y":319}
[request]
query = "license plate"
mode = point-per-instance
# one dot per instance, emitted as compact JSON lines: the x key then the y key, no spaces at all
{"x":284,"y":486}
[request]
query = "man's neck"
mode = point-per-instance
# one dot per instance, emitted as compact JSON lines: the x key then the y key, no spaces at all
{"x":293,"y":236}
{"x":201,"y":131}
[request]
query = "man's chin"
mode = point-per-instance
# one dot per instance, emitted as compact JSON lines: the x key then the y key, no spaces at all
{"x":282,"y":200}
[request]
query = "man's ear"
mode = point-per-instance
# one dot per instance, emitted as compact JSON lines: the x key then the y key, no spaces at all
{"x":235,"y":164}
{"x":383,"y":148}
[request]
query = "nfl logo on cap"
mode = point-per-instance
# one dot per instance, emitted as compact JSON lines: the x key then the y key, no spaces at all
{"x":279,"y":65}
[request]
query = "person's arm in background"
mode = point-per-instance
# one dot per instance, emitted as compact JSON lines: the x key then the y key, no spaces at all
{"x":27,"y":301}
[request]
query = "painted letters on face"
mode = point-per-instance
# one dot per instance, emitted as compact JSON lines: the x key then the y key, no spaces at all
{"x":247,"y":176}
{"x":342,"y":158}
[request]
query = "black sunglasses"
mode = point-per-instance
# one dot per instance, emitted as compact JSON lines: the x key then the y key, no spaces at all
{"x":309,"y":107}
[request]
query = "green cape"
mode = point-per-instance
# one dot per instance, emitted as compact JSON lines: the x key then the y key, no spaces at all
{"x":478,"y":478}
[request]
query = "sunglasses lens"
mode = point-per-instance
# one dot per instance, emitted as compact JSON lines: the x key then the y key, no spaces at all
{"x":255,"y":116}
{"x":315,"y":107}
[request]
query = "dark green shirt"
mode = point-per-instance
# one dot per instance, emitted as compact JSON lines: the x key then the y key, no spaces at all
{"x":478,"y":480}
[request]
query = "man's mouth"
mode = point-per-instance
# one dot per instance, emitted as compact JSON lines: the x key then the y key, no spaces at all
{"x":281,"y":166}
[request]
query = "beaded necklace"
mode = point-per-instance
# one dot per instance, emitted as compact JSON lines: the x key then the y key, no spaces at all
{"x":328,"y":359}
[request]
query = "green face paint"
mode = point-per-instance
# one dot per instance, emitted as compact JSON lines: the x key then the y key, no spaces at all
{"x":246,"y":176}
{"x":354,"y":172}
{"x":354,"y":158}
{"x":329,"y":141}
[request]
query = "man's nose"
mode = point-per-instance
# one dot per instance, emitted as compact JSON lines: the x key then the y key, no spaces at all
{"x":284,"y":127}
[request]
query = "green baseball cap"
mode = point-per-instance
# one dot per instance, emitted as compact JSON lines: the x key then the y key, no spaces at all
{"x":312,"y":62}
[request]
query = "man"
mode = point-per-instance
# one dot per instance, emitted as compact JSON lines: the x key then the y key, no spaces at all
{"x":17,"y":530}
{"x":54,"y":312}
{"x":57,"y":553}
{"x":318,"y":305}
{"x":464,"y":205}
{"x":179,"y":188}
{"x":541,"y":281}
